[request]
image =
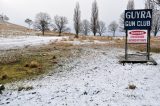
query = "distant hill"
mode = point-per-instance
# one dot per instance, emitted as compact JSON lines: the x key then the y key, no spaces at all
{"x":7,"y":28}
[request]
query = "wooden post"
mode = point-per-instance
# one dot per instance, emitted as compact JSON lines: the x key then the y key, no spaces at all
{"x":126,"y":46}
{"x":148,"y":45}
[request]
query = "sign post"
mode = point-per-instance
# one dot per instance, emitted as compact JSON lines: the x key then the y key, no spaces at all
{"x":137,"y":24}
{"x":148,"y":46}
{"x":126,"y":46}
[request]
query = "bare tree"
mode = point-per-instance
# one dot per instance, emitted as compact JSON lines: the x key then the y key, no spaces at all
{"x":157,"y":2}
{"x":29,"y":22}
{"x":77,"y":19}
{"x":130,"y":6}
{"x":85,"y":27}
{"x":60,"y":24}
{"x":94,"y":18}
{"x":101,"y":28}
{"x":42,"y":22}
{"x":150,"y":4}
{"x":156,"y":22}
{"x":3,"y":18}
{"x":113,"y":27}
{"x":121,"y":23}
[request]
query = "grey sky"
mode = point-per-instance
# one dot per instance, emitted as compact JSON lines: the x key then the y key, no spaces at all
{"x":19,"y":10}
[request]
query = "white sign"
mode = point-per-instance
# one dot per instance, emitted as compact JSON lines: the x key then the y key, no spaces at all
{"x":137,"y":36}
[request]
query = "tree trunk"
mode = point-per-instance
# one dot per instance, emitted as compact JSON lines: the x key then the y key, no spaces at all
{"x":60,"y":31}
{"x":155,"y":32}
{"x":43,"y":29}
{"x":76,"y":36}
{"x":43,"y":32}
{"x":94,"y":34}
{"x":113,"y":33}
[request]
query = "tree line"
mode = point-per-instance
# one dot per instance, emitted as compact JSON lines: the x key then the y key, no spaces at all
{"x":43,"y":22}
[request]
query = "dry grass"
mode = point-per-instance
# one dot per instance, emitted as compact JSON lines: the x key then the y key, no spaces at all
{"x":99,"y":38}
{"x":32,"y":61}
{"x":7,"y":28}
{"x":52,"y":33}
{"x":16,"y":65}
{"x":155,"y":45}
{"x":10,"y":58}
{"x":120,"y":42}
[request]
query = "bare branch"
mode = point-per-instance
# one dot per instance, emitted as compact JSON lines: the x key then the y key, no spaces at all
{"x":85,"y":27}
{"x":29,"y":22}
{"x":130,"y":6}
{"x":113,"y":27}
{"x":60,"y":24}
{"x":42,"y":22}
{"x":101,"y":28}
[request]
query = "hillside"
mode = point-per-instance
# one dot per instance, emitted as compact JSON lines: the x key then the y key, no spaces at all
{"x":7,"y":28}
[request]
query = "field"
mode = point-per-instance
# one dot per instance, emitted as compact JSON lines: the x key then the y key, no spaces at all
{"x":78,"y":72}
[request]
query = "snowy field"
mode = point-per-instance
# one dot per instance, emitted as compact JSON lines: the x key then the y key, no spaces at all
{"x":93,"y":79}
{"x":24,"y":41}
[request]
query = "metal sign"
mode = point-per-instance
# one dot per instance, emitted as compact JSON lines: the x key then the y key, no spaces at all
{"x":137,"y":24}
{"x":137,"y":36}
{"x":138,"y":19}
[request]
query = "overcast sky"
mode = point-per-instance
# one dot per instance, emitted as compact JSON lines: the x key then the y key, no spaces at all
{"x":19,"y":10}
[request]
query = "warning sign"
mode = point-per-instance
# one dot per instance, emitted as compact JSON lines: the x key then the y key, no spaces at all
{"x":137,"y":36}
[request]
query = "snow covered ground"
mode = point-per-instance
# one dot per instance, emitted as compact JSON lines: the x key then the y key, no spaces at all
{"x":23,"y":41}
{"x":93,"y":79}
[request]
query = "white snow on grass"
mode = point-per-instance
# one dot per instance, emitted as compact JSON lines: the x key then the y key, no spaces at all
{"x":94,"y":79}
{"x":22,"y":41}
{"x":87,"y":42}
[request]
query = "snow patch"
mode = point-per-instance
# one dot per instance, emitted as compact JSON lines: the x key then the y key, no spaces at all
{"x":94,"y":79}
{"x":22,"y":41}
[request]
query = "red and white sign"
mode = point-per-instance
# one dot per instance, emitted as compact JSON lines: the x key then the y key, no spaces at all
{"x":137,"y":36}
